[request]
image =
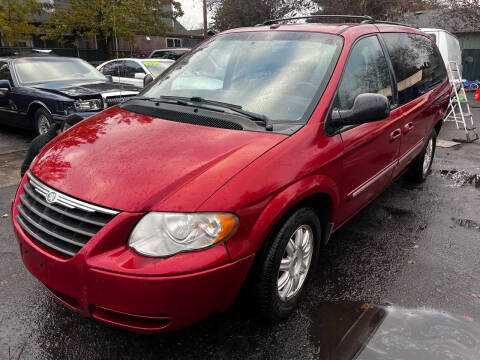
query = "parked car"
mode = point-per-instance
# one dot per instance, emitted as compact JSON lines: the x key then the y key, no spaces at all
{"x":169,"y":53}
{"x":133,"y":71}
{"x":448,"y":45}
{"x":35,"y":91}
{"x":248,"y":172}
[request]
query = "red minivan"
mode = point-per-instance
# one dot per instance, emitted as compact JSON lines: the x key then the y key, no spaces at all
{"x":241,"y":159}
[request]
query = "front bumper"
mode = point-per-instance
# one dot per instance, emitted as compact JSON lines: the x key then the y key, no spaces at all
{"x":84,"y":115}
{"x":110,"y":282}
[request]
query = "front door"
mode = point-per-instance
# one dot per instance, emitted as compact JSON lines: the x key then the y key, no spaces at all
{"x":370,"y":150}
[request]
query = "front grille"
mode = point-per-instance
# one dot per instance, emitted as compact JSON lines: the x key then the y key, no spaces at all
{"x":115,"y":100}
{"x":58,"y":221}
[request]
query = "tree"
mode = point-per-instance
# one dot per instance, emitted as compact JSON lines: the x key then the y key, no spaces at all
{"x":16,"y":20}
{"x":382,"y":10}
{"x":229,"y":14}
{"x":109,"y":19}
{"x":465,"y":14}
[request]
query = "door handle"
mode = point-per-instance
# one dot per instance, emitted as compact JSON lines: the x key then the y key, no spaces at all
{"x":395,"y":134}
{"x":408,"y":127}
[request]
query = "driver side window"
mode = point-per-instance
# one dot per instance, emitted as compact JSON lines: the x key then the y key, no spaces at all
{"x":132,"y":68}
{"x":5,"y":72}
{"x":366,"y":71}
{"x":112,"y":68}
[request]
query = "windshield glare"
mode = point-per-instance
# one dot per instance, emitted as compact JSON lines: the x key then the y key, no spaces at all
{"x":155,"y":67}
{"x":277,"y":74}
{"x":47,"y":70}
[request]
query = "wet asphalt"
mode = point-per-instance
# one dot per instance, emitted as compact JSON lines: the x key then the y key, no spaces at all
{"x":402,"y":277}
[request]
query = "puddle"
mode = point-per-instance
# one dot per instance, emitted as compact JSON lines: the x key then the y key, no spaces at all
{"x":355,"y":330}
{"x":460,"y":178}
{"x":466,"y":223}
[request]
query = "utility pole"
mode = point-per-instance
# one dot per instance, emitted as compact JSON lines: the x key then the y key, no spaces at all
{"x":205,"y":26}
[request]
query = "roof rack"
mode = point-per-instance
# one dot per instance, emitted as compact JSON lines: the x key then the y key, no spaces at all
{"x":395,"y":23}
{"x":365,"y":19}
{"x":361,"y":17}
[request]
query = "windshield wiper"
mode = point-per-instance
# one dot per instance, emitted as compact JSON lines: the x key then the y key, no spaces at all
{"x":158,"y":100}
{"x":233,"y":107}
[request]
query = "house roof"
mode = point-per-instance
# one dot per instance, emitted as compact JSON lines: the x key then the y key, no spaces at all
{"x":452,"y":20}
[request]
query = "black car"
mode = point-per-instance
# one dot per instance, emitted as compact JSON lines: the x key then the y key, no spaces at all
{"x":172,"y":54}
{"x":35,"y":91}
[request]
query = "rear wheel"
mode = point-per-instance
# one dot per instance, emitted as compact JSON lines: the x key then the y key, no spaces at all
{"x":43,"y":121}
{"x":420,"y":168}
{"x":286,"y":264}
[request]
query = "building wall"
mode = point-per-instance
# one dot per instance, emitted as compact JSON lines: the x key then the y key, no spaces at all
{"x":470,"y":45}
{"x":155,"y":42}
{"x":469,"y":40}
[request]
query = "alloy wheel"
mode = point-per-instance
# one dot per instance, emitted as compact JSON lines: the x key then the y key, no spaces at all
{"x":43,"y":124}
{"x":295,"y":263}
{"x":428,"y":157}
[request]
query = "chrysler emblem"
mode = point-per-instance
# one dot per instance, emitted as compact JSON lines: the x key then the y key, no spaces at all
{"x":51,"y":197}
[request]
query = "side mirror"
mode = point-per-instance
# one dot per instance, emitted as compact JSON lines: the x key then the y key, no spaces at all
{"x":5,"y":85}
{"x":109,"y":78}
{"x":140,"y":76}
{"x":469,"y":60}
{"x":366,"y":108}
{"x":147,"y":80}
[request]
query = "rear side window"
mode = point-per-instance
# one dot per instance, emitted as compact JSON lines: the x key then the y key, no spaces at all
{"x":417,"y":63}
{"x":366,"y":71}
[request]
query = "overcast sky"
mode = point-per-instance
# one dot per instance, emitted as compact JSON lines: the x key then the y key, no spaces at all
{"x":193,"y":9}
{"x":193,"y":18}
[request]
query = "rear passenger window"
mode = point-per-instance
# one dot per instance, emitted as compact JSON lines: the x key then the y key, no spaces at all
{"x":366,"y":72}
{"x":417,"y":63}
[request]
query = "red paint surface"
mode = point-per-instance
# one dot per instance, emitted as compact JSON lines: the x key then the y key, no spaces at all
{"x":136,"y":163}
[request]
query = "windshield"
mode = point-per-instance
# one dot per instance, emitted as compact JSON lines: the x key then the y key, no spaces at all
{"x":155,"y":67}
{"x":276,"y":74}
{"x":39,"y":70}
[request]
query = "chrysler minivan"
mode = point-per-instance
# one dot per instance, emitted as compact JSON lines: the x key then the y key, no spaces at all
{"x":241,"y":159}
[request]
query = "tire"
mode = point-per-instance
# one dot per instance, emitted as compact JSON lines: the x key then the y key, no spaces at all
{"x":420,"y":168}
{"x":266,"y":282}
{"x":43,"y":121}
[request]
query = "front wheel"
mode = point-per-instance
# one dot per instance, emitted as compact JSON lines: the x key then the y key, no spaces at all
{"x":43,"y":121}
{"x":286,"y":264}
{"x":420,"y":168}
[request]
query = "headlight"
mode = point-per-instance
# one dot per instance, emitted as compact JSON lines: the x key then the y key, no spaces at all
{"x":88,"y":105}
{"x":166,"y":234}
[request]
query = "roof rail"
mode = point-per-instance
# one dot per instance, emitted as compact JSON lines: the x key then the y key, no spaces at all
{"x":365,"y":20}
{"x":394,"y":23}
{"x":361,"y":17}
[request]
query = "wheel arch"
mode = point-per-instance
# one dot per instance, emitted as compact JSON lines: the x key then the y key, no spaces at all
{"x":320,"y":193}
{"x":438,"y":125}
{"x":32,"y":109}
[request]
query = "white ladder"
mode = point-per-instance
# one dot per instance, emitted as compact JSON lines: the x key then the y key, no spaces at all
{"x":456,"y":111}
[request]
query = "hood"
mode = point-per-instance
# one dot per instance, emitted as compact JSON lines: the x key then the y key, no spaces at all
{"x":132,"y":162}
{"x":82,"y":89}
